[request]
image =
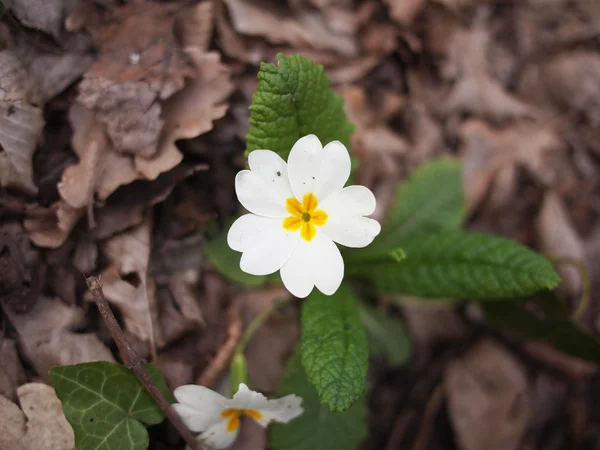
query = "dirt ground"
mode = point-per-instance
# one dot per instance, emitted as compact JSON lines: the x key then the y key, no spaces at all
{"x":122,"y":127}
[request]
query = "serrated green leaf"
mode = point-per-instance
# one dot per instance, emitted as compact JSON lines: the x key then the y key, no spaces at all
{"x":560,"y":332}
{"x":387,"y":335}
{"x":335,"y":351}
{"x":431,"y":200}
{"x":463,"y":265}
{"x":107,"y":405}
{"x":317,"y":428}
{"x":294,"y":99}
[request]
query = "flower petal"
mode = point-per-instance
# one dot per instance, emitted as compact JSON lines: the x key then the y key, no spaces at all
{"x":317,"y":169}
{"x":316,"y":263}
{"x":217,"y":436}
{"x":280,"y":410}
{"x":265,"y":244}
{"x":350,"y":201}
{"x":199,"y":407}
{"x":354,"y":232}
{"x":246,"y":398}
{"x":264,"y":188}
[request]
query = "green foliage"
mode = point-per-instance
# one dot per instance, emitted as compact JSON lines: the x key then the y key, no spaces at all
{"x":463,"y":265}
{"x":318,"y":428}
{"x":431,"y":200}
{"x":555,"y":328}
{"x":387,"y":335}
{"x":294,"y":99}
{"x":107,"y":405}
{"x":335,"y":351}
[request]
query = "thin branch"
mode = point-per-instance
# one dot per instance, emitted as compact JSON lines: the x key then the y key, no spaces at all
{"x":134,"y":362}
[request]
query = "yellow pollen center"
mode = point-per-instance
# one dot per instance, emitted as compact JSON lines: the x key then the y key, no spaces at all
{"x":233,"y":416}
{"x":304,"y":216}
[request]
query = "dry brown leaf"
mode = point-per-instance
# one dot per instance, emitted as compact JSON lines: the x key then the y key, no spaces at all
{"x":21,"y":125}
{"x":126,"y":283}
{"x":475,"y":90}
{"x":487,"y":152}
{"x":47,"y":340}
{"x":139,"y":62}
{"x":12,"y":374}
{"x":304,"y":28}
{"x":488,"y":402}
{"x":558,"y":239}
{"x":38,"y":425}
{"x":43,"y":15}
{"x":52,"y":229}
{"x":405,"y":11}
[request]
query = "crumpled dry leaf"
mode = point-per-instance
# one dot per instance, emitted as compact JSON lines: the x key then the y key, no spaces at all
{"x":43,"y":15}
{"x":489,"y":153}
{"x":21,"y":125}
{"x":139,"y":62}
{"x":126,"y":283}
{"x":405,"y":11}
{"x":12,"y":374}
{"x":488,"y":402}
{"x":475,"y":90}
{"x":100,"y":170}
{"x":52,"y":228}
{"x":38,"y":425}
{"x":47,"y":340}
{"x":304,"y":28}
{"x":558,"y":239}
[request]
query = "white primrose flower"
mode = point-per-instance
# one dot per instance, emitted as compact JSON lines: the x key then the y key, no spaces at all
{"x":297,"y":211}
{"x":217,"y":418}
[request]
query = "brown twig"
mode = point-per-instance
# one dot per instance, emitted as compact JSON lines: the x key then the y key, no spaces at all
{"x":134,"y":362}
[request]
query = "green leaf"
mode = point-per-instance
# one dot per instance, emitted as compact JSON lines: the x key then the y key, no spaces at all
{"x":107,"y":405}
{"x":335,"y":351}
{"x":463,"y":265}
{"x":431,"y":200}
{"x":294,"y":99}
{"x":387,"y":335}
{"x":560,"y":332}
{"x":317,"y":428}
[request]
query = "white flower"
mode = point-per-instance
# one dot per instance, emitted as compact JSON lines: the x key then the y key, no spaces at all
{"x":217,"y":418}
{"x":297,"y":211}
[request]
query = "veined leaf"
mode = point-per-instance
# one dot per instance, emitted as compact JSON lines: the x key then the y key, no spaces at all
{"x":317,"y":428}
{"x":462,"y":265}
{"x":387,"y":335}
{"x":431,"y":200}
{"x":335,"y":351}
{"x":107,"y":405}
{"x":294,"y":99}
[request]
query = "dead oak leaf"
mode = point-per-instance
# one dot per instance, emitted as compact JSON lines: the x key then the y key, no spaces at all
{"x":21,"y":125}
{"x":51,"y":228}
{"x":488,"y":401}
{"x":39,"y":424}
{"x":46,"y":336}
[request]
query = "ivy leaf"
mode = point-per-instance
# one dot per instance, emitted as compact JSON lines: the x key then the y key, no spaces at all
{"x":317,"y":428}
{"x":294,"y":99}
{"x":334,"y":347}
{"x":431,"y":200}
{"x":107,"y":405}
{"x":558,"y":330}
{"x":387,"y":335}
{"x":463,"y":265}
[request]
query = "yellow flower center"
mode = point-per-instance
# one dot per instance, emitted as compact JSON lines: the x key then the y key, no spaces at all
{"x":233,"y":414}
{"x":304,"y":216}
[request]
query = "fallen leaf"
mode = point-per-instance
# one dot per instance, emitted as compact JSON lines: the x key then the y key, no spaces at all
{"x":12,"y":374}
{"x":558,"y":239}
{"x":47,"y":340}
{"x":43,"y":15}
{"x":21,"y":125}
{"x":487,"y":152}
{"x":405,"y":11}
{"x":475,"y":90}
{"x":38,"y":425}
{"x":488,"y":403}
{"x":52,"y":228}
{"x":126,"y":283}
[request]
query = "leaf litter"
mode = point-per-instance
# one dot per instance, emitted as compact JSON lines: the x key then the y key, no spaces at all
{"x":122,"y":126}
